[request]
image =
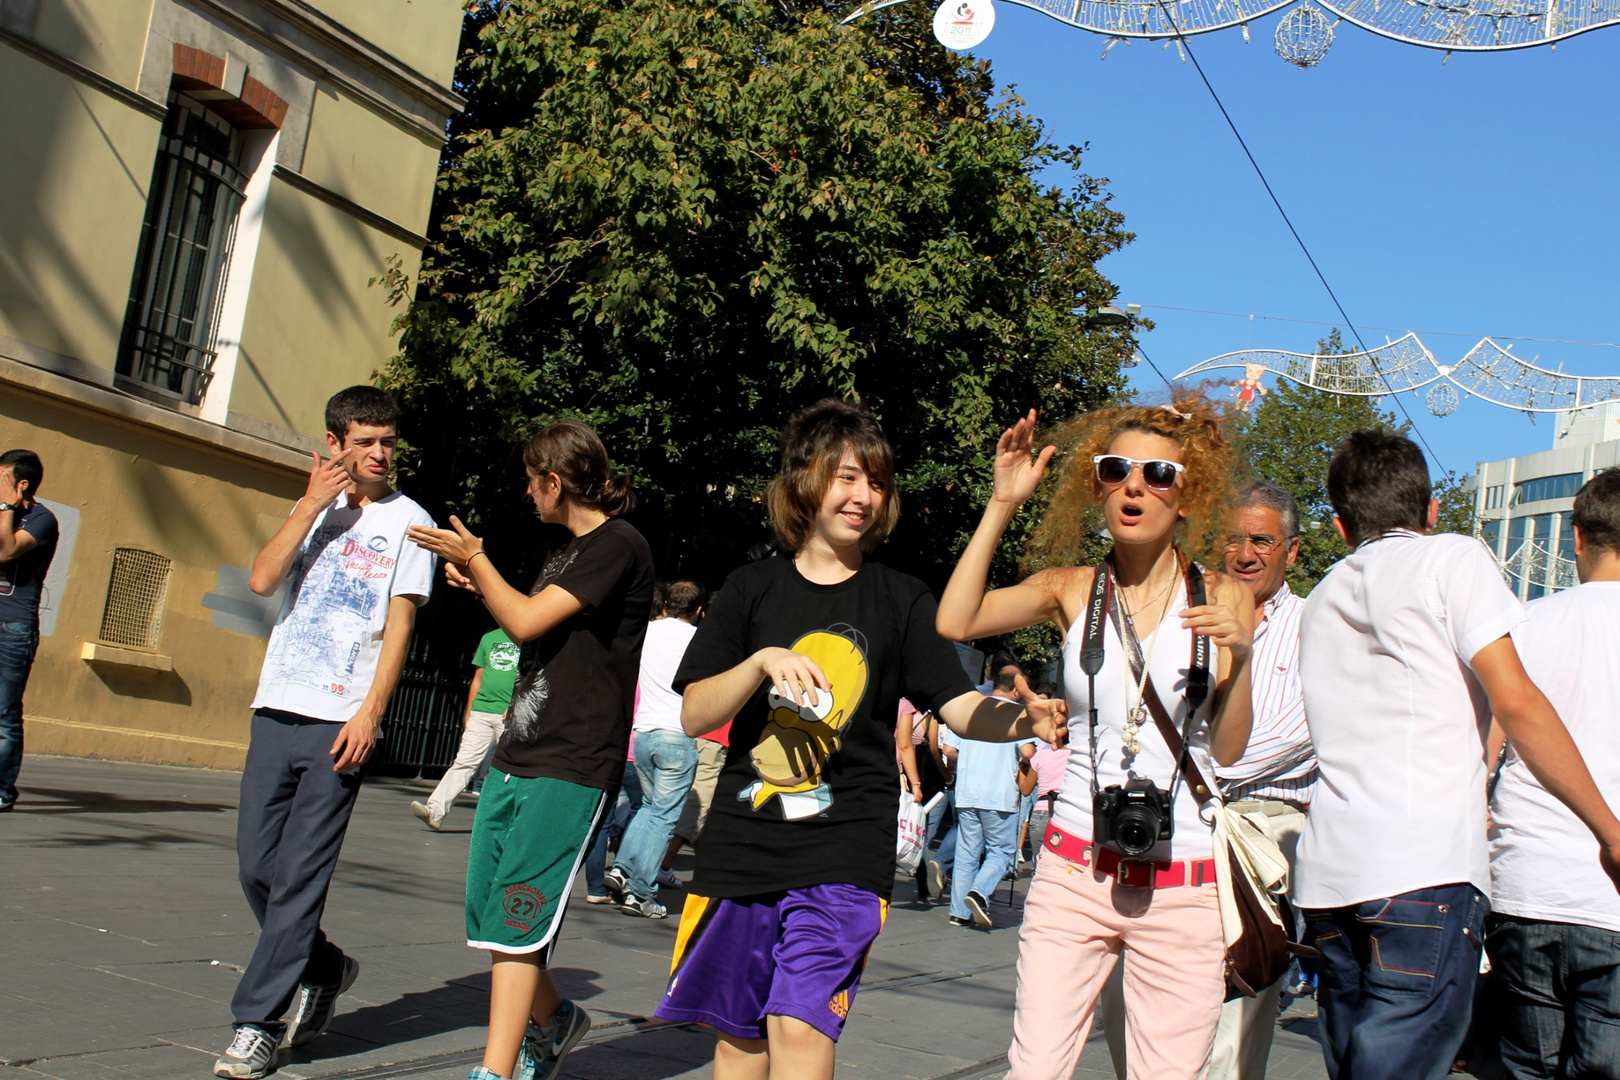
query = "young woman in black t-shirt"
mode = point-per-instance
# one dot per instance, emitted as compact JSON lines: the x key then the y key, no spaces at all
{"x":562,"y":755}
{"x":809,"y":650}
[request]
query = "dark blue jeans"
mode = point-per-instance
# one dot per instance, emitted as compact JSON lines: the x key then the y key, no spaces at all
{"x":18,"y":642}
{"x":625,"y":805}
{"x":1396,"y":981}
{"x":1558,"y":985}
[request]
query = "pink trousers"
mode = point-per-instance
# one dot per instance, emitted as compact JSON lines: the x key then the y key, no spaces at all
{"x":1077,"y":923}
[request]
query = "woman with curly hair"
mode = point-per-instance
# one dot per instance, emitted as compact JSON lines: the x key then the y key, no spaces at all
{"x":1141,"y":882}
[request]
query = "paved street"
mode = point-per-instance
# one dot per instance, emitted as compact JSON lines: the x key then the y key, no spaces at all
{"x":124,"y":934}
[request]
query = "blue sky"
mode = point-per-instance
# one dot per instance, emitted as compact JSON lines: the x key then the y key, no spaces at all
{"x":1477,"y":197}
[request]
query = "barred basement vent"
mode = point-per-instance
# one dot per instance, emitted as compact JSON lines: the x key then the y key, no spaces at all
{"x":134,"y":613}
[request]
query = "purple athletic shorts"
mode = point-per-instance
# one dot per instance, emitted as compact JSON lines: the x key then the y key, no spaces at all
{"x":797,"y":953}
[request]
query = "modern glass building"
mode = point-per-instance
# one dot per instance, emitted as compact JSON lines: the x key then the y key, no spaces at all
{"x":1523,"y":504}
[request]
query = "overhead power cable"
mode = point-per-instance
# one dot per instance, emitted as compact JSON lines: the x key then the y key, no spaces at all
{"x":1184,"y":44}
{"x":1143,"y":353}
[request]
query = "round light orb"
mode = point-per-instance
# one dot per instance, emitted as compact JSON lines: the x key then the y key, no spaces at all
{"x":1304,"y":36}
{"x":1442,"y":399}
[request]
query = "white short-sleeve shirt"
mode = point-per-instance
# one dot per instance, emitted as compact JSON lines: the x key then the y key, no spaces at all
{"x":658,"y":707}
{"x":327,"y":642}
{"x":1398,"y":718}
{"x":1544,"y":862}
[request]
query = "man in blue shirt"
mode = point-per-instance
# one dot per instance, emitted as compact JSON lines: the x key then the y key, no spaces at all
{"x":986,"y":814}
{"x":28,"y":534}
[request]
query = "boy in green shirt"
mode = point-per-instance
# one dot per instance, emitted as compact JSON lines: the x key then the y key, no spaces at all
{"x":494,"y":672}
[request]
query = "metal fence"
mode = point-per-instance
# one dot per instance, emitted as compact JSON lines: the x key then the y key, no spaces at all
{"x":423,"y":725}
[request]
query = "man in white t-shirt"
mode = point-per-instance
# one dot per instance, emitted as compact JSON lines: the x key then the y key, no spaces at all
{"x":333,"y":659}
{"x":1404,"y":654}
{"x":1554,"y":935}
{"x":666,"y":756}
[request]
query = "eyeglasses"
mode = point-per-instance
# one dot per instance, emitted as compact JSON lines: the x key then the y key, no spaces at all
{"x":1263,"y":544}
{"x":1158,"y":474}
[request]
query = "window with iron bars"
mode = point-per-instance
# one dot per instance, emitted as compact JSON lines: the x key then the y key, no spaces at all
{"x":190,"y":227}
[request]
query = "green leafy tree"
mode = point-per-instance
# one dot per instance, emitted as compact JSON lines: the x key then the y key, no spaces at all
{"x":678,"y":223}
{"x":1289,"y":438}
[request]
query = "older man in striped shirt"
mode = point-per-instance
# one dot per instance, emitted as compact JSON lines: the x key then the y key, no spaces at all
{"x":1278,"y":770}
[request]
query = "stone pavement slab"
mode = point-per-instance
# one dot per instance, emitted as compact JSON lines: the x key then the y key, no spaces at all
{"x":125,"y":933}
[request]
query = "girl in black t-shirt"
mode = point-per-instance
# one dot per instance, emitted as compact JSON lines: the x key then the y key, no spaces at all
{"x":561,"y":757}
{"x":808,"y":651}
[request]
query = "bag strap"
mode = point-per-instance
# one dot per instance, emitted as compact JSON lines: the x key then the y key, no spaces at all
{"x":1172,"y":738}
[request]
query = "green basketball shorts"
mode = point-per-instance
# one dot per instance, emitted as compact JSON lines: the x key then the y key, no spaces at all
{"x":529,"y":840}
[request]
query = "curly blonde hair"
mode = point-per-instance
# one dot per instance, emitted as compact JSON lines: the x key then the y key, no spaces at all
{"x":1215,"y":471}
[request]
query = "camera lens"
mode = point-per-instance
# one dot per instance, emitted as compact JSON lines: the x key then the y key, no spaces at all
{"x":1136,"y":830}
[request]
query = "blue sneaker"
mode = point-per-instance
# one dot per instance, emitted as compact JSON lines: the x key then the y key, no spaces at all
{"x":541,"y":1055}
{"x":481,"y":1073}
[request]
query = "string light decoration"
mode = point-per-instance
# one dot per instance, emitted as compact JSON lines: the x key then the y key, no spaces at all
{"x":1442,"y":399}
{"x":1304,"y":36}
{"x":1489,"y":372}
{"x":1450,"y":25}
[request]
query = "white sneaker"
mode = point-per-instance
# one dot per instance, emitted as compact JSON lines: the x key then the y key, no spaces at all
{"x":667,"y":878}
{"x":936,"y":879}
{"x":647,"y":909}
{"x":425,"y":812}
{"x":253,"y":1053}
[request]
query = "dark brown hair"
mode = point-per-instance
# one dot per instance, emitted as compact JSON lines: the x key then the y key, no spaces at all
{"x":364,"y":405}
{"x":1597,"y":510}
{"x":577,"y":456}
{"x":1214,"y":471}
{"x":684,"y":599}
{"x":813,"y":444}
{"x":1378,"y":481}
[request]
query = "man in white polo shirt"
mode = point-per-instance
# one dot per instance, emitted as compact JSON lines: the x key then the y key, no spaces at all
{"x":666,"y":757}
{"x":1404,"y":655}
{"x":1554,"y":933}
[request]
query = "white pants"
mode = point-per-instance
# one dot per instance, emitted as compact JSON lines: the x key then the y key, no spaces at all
{"x":477,"y":745}
{"x":1243,"y":1039}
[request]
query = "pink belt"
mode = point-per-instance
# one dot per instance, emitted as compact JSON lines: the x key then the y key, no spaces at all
{"x":1142,"y":873}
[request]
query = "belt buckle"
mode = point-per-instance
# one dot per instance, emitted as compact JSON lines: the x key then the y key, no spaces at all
{"x":1138,"y":873}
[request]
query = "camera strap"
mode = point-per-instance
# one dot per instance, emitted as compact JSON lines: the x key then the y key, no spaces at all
{"x":1197,"y":692}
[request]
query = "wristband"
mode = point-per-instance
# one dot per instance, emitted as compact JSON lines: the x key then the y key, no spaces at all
{"x":475,"y":555}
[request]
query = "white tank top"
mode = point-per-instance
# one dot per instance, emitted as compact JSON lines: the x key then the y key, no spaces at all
{"x":1172,"y":658}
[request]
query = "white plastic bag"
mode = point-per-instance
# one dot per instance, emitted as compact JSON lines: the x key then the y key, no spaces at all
{"x":912,"y":835}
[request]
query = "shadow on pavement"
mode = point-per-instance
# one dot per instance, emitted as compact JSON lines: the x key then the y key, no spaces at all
{"x":645,"y":1055}
{"x":107,"y":802}
{"x":453,"y":1006}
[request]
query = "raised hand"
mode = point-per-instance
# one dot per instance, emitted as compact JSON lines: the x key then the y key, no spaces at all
{"x":1228,"y":622}
{"x":1050,"y":720}
{"x":1018,"y":468}
{"x":328,"y":479}
{"x":454,"y":545}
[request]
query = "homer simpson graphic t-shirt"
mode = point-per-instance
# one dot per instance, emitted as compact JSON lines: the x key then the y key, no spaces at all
{"x":576,"y":683}
{"x":809,"y":793}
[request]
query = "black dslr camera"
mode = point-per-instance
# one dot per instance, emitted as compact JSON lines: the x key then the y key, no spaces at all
{"x":1132,"y":818}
